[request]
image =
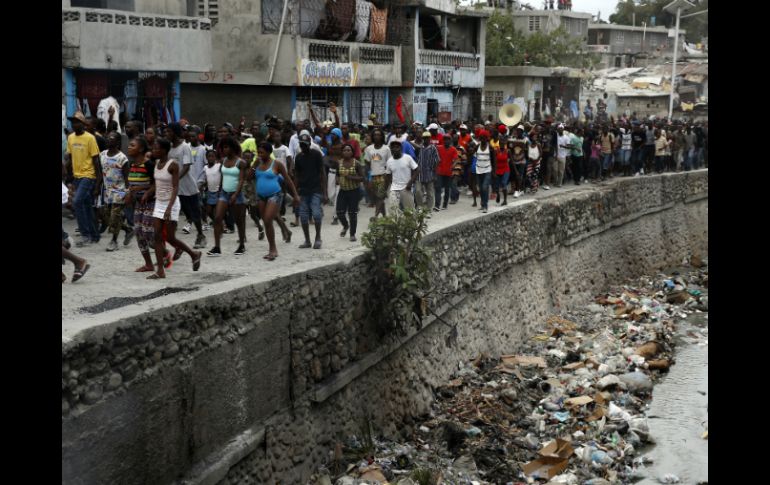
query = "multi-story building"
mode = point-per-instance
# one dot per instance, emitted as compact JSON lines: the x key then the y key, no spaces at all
{"x":132,"y":50}
{"x":621,"y":45}
{"x":275,"y":56}
{"x":546,"y":21}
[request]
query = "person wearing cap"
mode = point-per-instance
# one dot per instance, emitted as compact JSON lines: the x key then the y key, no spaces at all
{"x":310,"y":176}
{"x":400,"y":173}
{"x":559,"y":163}
{"x":465,"y":138}
{"x":427,"y":161}
{"x":485,"y":168}
{"x":398,"y":134}
{"x":332,"y":161}
{"x":83,"y":157}
{"x":435,"y":139}
{"x":376,"y":157}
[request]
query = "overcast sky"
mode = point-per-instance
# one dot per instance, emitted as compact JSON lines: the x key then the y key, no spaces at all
{"x":606,"y":7}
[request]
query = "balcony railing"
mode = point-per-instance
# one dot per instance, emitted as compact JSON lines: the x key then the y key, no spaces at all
{"x":460,"y":60}
{"x":166,"y":22}
{"x":329,"y":51}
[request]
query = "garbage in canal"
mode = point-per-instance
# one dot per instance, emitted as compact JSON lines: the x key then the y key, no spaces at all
{"x":566,"y":407}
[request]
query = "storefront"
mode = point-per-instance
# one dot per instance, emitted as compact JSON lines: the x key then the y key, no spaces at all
{"x":150,"y":97}
{"x":322,"y":83}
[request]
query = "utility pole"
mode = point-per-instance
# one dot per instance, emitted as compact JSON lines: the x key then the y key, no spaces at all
{"x":678,"y":6}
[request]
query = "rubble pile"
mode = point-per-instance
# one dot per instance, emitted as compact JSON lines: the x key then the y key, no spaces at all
{"x":567,"y":407}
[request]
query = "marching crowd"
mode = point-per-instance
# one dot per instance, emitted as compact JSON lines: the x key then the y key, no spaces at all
{"x":140,"y":180}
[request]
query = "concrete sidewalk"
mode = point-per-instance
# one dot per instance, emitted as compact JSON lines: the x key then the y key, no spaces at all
{"x":112,"y":279}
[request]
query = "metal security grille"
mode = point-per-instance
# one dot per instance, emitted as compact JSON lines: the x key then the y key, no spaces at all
{"x":210,"y":9}
{"x":364,"y":102}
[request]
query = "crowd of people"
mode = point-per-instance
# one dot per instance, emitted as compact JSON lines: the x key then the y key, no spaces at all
{"x":140,"y":180}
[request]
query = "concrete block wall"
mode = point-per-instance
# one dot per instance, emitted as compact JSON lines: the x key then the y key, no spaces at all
{"x":243,"y":389}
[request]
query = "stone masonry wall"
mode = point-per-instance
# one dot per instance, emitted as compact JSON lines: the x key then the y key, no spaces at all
{"x":221,"y":389}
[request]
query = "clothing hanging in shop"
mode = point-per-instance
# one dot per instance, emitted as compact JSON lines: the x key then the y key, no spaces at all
{"x":130,"y":93}
{"x":363,"y":12}
{"x":103,"y":111}
{"x":378,"y":26}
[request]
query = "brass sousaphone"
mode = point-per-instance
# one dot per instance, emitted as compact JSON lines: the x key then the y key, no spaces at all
{"x":510,"y":114}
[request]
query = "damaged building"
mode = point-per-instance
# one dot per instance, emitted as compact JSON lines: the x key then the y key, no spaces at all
{"x":275,"y":56}
{"x":539,"y":91}
{"x":628,"y":46}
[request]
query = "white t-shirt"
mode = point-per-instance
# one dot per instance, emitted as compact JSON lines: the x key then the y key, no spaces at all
{"x":401,"y":169}
{"x":213,"y":177}
{"x":404,"y":137}
{"x":183,"y":155}
{"x":483,"y":161}
{"x":65,"y":193}
{"x":563,"y":140}
{"x":626,"y":141}
{"x":281,"y":153}
{"x":377,"y":158}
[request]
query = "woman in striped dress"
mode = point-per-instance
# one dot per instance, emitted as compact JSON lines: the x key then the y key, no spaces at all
{"x":535,"y":155}
{"x":140,"y":188}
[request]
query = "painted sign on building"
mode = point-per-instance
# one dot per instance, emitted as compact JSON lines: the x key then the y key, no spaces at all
{"x":434,"y":76}
{"x":420,"y":106}
{"x":326,"y":74}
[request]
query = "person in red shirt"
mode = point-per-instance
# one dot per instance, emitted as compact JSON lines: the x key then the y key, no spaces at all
{"x":447,"y":155}
{"x":465,"y":138}
{"x":503,"y":173}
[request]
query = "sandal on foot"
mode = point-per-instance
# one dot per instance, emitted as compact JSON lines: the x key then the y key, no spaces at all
{"x":305,"y":245}
{"x":178,"y":254}
{"x":270,"y":257}
{"x":344,"y":232}
{"x":79,"y":273}
{"x":197,"y":261}
{"x":144,"y":269}
{"x":156,"y":276}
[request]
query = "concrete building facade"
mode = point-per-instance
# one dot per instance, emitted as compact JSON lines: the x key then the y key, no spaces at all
{"x":132,"y":50}
{"x":539,"y":91}
{"x":546,"y":21}
{"x":425,"y":51}
{"x":621,"y":45}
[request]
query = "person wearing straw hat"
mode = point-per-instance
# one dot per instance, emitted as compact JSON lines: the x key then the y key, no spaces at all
{"x":83,"y":155}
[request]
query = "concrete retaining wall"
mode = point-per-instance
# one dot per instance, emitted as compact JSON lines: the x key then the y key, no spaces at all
{"x":255,"y":387}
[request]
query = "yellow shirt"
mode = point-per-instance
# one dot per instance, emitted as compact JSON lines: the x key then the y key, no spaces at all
{"x":250,"y":145}
{"x":495,"y":144}
{"x":82,"y":148}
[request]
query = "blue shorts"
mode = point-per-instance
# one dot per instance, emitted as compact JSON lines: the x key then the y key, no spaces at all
{"x":310,"y":204}
{"x":212,"y":198}
{"x":225,"y":197}
{"x":276,"y":198}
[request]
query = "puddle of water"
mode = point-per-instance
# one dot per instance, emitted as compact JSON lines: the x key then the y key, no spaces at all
{"x":680,"y":410}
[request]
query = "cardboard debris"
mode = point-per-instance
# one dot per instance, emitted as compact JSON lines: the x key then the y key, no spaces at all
{"x":374,"y":473}
{"x":523,"y":360}
{"x":574,"y":366}
{"x":598,"y":414}
{"x":578,"y":401}
{"x":649,"y":349}
{"x":553,"y":459}
{"x":660,"y":364}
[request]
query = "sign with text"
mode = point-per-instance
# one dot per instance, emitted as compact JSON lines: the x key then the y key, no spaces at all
{"x":434,"y":76}
{"x":420,"y":107}
{"x":326,"y":74}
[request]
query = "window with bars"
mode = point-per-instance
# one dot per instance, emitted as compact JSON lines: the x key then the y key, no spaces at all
{"x":637,"y":38}
{"x":620,"y":37}
{"x":534,"y":24}
{"x":210,"y":9}
{"x":493,"y":99}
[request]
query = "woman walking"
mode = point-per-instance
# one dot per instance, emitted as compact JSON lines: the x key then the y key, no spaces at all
{"x":233,"y":170}
{"x":535,"y":155}
{"x":503,"y":173}
{"x":269,"y":175}
{"x":167,"y":206}
{"x":141,"y":186}
{"x":115,"y":168}
{"x":350,"y":174}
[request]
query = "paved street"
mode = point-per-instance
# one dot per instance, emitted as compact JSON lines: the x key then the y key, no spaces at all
{"x":112,"y":273}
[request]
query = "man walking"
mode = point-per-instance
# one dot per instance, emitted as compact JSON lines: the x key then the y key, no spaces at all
{"x":428,"y":161}
{"x":310,"y":178}
{"x":189,"y":195}
{"x":401,"y":171}
{"x":83,"y":155}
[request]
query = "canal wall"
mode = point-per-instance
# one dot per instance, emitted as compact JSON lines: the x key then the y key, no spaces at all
{"x":256,"y":385}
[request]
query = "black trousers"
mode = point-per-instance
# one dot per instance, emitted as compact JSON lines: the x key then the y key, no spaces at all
{"x":578,"y":168}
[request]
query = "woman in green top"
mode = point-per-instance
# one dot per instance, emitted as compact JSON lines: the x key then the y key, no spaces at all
{"x":350,"y":174}
{"x":234,"y":171}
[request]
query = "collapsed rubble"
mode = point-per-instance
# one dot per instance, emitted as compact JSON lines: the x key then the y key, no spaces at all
{"x":568,"y":407}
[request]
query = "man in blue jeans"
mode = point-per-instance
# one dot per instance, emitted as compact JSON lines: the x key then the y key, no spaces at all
{"x":83,"y":155}
{"x":310,"y":177}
